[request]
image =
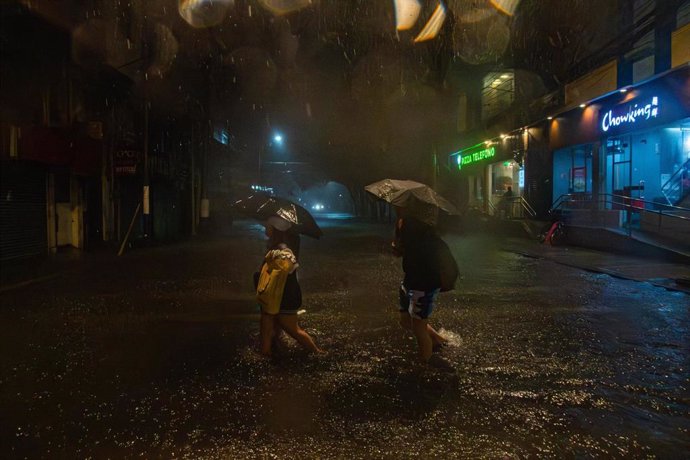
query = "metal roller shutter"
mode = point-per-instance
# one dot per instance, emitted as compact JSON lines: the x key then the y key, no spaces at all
{"x":23,"y":230}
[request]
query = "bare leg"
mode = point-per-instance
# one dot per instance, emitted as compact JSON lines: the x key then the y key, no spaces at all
{"x":290,"y":325}
{"x":277,"y":339}
{"x":406,"y":323}
{"x":266,"y":328}
{"x":420,"y":327}
{"x":437,"y":338}
{"x":405,"y":320}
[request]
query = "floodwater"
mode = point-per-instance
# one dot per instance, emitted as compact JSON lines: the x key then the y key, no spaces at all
{"x":153,"y":354}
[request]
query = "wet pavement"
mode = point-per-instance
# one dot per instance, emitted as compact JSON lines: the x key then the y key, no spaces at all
{"x":153,"y":354}
{"x":659,"y":272}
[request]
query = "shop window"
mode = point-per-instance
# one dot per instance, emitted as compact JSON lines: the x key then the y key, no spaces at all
{"x":498,"y":93}
{"x":649,"y":165}
{"x":572,"y":171}
{"x":505,"y":175}
{"x":579,"y":179}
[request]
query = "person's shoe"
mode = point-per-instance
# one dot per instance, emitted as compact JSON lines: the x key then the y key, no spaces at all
{"x":439,"y":346}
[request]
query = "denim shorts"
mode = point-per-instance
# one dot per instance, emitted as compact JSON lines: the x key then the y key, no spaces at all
{"x":419,"y":304}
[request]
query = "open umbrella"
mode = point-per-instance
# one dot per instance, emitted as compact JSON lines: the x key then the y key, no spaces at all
{"x":261,"y":206}
{"x":418,"y":199}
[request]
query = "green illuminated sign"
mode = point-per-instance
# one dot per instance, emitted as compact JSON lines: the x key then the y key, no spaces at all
{"x":467,"y":158}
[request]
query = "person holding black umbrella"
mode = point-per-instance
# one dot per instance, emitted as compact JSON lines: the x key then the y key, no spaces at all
{"x":278,"y":291}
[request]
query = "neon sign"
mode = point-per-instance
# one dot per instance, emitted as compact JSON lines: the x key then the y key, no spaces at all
{"x":466,"y":158}
{"x":630,"y":114}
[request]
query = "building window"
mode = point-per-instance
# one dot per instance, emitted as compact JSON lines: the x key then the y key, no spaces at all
{"x":683,"y":16}
{"x":498,"y":93}
{"x":572,"y":170}
{"x":642,"y":53}
{"x":643,"y":69}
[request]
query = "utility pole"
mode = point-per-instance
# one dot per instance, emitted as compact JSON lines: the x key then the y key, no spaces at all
{"x":146,"y":205}
{"x":261,"y":148}
{"x":192,"y":176}
{"x":146,"y":192}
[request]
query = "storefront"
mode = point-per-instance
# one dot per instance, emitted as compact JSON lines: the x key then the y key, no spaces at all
{"x":628,"y":148}
{"x":50,"y":192}
{"x":492,"y":179}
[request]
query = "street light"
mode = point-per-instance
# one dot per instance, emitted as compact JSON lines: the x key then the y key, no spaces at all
{"x":277,"y":140}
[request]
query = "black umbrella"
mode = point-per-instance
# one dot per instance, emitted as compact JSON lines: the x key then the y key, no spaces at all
{"x":261,"y":206}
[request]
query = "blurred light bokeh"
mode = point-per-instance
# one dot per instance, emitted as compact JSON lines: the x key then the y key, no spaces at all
{"x":204,"y":13}
{"x":506,"y":6}
{"x":406,"y":13}
{"x":433,"y":26}
{"x":279,"y":7}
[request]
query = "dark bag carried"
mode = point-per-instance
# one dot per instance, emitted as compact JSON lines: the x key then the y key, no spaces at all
{"x":448,"y":266}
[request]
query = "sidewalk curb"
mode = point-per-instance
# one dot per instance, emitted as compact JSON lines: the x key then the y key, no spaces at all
{"x":21,"y":284}
{"x":604,"y":271}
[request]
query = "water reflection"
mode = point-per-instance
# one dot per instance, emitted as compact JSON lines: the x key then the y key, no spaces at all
{"x":549,"y":361}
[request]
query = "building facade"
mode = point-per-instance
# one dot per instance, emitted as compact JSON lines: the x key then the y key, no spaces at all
{"x":620,"y":129}
{"x":89,"y":150}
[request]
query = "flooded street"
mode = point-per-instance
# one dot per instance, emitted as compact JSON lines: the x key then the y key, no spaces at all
{"x":153,"y":354}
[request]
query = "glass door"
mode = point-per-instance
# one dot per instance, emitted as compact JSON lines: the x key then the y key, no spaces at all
{"x":619,"y":175}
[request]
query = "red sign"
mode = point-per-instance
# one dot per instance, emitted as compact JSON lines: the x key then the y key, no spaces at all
{"x":125,"y":162}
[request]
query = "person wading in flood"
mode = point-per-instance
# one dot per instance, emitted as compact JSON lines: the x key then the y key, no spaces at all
{"x":278,"y":291}
{"x":417,"y":243}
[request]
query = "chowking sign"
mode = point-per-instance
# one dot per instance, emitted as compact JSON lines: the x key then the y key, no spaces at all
{"x":467,"y":158}
{"x":630,"y":114}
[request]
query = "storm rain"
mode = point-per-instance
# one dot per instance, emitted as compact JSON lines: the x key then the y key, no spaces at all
{"x":345,"y":229}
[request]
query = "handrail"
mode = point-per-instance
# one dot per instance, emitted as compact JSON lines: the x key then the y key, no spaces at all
{"x":675,"y":189}
{"x":524,"y":204}
{"x":527,"y":207}
{"x":684,"y":167}
{"x":623,"y":201}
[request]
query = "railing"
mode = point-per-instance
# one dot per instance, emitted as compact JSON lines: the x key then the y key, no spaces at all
{"x":678,"y":185}
{"x":524,"y":204}
{"x":514,"y":207}
{"x":631,"y":206}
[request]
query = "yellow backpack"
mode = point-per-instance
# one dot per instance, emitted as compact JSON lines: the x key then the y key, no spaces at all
{"x":278,"y":264}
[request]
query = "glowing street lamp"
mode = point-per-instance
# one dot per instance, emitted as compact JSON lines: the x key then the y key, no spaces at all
{"x":278,"y":139}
